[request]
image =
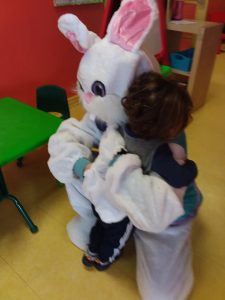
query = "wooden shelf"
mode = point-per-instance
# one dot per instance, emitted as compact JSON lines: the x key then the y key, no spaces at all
{"x":207,"y":38}
{"x":190,"y":26}
{"x":179,"y":72}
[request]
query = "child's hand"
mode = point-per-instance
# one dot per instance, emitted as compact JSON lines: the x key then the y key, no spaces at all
{"x":88,"y":167}
{"x":180,"y":161}
{"x":178,"y":153}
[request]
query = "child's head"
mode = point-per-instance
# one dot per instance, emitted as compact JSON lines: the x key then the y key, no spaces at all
{"x":157,"y":107}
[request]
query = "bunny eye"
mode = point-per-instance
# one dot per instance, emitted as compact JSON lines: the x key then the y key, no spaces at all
{"x":80,"y":86}
{"x":98,"y":88}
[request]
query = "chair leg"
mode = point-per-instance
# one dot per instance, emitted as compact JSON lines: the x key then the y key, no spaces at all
{"x":4,"y":194}
{"x":22,"y":211}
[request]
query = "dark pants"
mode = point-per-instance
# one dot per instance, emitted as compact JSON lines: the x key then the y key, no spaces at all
{"x":107,"y":240}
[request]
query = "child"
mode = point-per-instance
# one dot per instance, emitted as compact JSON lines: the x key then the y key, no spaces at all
{"x":158,"y":111}
{"x":146,"y":134}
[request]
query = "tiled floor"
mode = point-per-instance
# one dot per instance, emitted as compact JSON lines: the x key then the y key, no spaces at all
{"x":47,"y":266}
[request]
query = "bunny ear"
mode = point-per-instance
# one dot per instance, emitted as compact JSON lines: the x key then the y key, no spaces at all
{"x":131,"y":23}
{"x":73,"y":29}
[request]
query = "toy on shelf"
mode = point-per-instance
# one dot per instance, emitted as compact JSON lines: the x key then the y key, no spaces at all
{"x":177,"y":10}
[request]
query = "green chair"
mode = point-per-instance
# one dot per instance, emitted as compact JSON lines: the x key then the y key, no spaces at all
{"x":53,"y":99}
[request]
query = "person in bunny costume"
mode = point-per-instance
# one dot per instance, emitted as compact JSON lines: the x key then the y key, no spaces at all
{"x":106,"y":70}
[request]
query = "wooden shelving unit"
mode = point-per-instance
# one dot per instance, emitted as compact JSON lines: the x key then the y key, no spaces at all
{"x":207,"y":37}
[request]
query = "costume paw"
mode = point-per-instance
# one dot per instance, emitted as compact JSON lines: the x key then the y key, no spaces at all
{"x":78,"y":230}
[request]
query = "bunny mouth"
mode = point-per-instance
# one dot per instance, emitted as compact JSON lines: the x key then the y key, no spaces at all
{"x":107,"y":109}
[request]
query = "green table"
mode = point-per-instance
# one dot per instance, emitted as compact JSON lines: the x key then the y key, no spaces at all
{"x":23,"y":129}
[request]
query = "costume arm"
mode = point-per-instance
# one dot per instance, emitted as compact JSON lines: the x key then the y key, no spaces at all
{"x":72,"y":141}
{"x":111,"y":143}
{"x":149,"y":202}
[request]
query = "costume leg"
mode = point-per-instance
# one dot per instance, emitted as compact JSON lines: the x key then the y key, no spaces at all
{"x":80,"y":226}
{"x":164,"y":263}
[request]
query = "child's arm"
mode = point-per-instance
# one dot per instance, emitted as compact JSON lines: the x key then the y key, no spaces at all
{"x":172,"y":171}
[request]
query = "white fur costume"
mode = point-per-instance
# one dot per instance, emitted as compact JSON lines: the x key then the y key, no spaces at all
{"x":105,"y":72}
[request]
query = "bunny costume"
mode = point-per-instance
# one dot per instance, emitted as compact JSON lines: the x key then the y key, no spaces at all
{"x":106,"y":70}
{"x":108,"y":66}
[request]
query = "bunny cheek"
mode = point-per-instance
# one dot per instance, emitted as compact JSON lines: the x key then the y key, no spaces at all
{"x":88,"y":97}
{"x":108,"y":109}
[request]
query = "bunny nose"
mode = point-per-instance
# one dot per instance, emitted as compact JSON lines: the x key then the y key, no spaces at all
{"x":88,"y":97}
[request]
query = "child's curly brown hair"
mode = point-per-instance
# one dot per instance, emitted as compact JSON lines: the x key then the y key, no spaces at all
{"x":157,"y":107}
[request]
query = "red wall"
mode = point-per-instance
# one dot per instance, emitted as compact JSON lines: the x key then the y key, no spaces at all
{"x":216,"y":5}
{"x":33,"y":51}
{"x":213,"y":6}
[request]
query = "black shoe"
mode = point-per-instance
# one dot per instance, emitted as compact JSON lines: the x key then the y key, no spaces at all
{"x":101,"y":266}
{"x":88,"y":261}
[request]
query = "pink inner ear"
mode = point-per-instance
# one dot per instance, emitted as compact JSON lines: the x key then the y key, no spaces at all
{"x":73,"y":39}
{"x":130,"y":24}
